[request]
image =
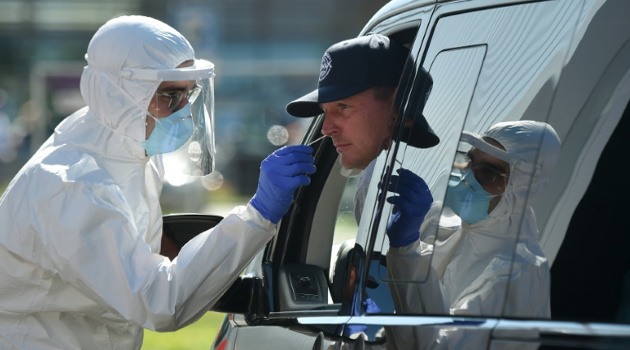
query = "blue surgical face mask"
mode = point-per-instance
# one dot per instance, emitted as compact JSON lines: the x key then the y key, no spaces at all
{"x":171,"y":132}
{"x":466,"y":197}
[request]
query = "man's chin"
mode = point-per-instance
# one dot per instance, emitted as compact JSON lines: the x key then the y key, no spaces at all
{"x":349,"y":169}
{"x":352,"y":164}
{"x":349,"y":172}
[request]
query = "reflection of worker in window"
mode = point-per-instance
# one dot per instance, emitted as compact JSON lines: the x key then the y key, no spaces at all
{"x":477,"y":254}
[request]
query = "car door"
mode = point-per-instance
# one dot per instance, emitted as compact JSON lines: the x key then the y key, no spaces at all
{"x":492,"y":62}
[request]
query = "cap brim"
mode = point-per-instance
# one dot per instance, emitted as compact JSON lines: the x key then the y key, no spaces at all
{"x":305,"y":106}
{"x":308,"y":105}
{"x":420,"y":134}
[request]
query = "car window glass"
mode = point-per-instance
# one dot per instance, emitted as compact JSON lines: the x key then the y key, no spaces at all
{"x":480,"y":70}
{"x":451,"y":68}
{"x":346,"y":225}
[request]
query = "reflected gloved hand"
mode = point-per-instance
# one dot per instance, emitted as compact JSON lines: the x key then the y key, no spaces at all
{"x":281,"y":173}
{"x":410,"y":207}
{"x":370,"y":307}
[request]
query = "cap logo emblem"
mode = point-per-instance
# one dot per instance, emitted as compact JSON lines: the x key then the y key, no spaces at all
{"x":326,"y":66}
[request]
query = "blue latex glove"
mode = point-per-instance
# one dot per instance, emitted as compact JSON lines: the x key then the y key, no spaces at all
{"x":356,"y":328}
{"x":410,"y":207}
{"x":370,"y":307}
{"x":281,"y":173}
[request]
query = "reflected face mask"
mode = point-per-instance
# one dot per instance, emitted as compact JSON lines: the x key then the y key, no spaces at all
{"x":171,"y":132}
{"x":466,"y":197}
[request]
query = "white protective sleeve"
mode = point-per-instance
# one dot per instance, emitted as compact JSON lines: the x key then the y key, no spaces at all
{"x":120,"y":272}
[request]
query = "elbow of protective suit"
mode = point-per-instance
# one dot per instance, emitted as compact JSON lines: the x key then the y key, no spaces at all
{"x":175,"y":318}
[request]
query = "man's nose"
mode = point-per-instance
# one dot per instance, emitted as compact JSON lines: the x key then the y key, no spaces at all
{"x":329,"y":127}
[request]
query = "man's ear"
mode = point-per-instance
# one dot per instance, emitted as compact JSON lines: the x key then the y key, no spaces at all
{"x":394,"y":110}
{"x":391,"y":119}
{"x":392,"y":99}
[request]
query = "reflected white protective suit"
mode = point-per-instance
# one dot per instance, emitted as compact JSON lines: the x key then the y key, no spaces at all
{"x":492,"y":268}
{"x":81,"y":221}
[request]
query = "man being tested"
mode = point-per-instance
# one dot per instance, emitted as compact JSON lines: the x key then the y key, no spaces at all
{"x":356,"y":90}
{"x":82,"y":223}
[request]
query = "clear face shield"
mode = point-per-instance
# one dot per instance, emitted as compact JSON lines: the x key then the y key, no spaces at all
{"x":182,"y":112}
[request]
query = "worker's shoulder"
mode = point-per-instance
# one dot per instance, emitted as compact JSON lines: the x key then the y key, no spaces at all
{"x":68,"y":164}
{"x":64,"y":170}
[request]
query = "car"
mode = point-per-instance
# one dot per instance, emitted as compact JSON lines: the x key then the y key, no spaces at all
{"x":564,"y":62}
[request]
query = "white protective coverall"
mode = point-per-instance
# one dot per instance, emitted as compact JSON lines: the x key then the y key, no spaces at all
{"x":81,"y":221}
{"x":491,"y":268}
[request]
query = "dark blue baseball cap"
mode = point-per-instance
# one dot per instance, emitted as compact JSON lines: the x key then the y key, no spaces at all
{"x":355,"y":65}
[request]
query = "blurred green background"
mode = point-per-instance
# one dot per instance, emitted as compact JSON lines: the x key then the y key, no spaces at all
{"x":198,"y":335}
{"x":266,"y":53}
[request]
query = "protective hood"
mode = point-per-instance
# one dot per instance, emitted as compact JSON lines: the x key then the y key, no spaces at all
{"x":120,"y":100}
{"x":532,"y":149}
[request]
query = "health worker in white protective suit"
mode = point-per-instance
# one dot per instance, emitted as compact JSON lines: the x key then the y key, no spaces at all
{"x":82,"y":223}
{"x":480,"y":255}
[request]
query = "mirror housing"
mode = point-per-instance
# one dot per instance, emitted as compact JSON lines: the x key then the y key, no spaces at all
{"x":181,"y":228}
{"x":246,"y":296}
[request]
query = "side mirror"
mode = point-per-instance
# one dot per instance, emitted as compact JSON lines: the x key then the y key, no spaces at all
{"x":181,"y":228}
{"x":246,"y":296}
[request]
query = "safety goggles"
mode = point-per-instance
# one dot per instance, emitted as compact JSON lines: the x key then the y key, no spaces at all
{"x":487,"y":175}
{"x":175,"y":98}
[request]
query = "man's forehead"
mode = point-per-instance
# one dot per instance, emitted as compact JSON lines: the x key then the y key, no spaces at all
{"x":324,"y":105}
{"x":351,"y":98}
